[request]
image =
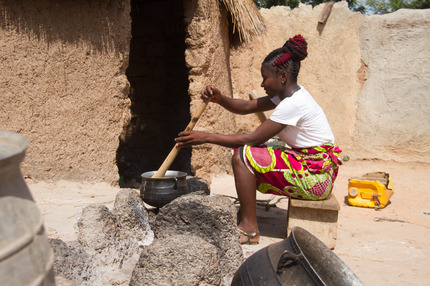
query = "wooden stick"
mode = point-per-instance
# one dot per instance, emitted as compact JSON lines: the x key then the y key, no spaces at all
{"x":172,"y":155}
{"x":326,"y":12}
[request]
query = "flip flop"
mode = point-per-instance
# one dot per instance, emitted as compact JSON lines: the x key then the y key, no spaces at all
{"x":249,"y":236}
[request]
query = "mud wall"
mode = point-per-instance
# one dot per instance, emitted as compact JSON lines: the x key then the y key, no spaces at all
{"x":330,"y":72}
{"x":63,"y":84}
{"x":394,"y":105}
{"x":369,"y":73}
{"x":63,"y":80}
{"x":207,"y":57}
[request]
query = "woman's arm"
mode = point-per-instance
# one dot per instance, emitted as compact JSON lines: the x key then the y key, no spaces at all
{"x":238,"y":106}
{"x":264,"y":132}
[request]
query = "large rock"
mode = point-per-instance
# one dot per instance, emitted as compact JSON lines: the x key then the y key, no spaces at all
{"x":196,"y":184}
{"x":72,"y":263}
{"x":178,"y":260}
{"x":132,"y":219}
{"x":212,"y":218}
{"x":98,"y":231}
{"x":115,"y":239}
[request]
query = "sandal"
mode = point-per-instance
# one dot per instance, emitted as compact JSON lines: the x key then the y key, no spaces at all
{"x":250,"y":236}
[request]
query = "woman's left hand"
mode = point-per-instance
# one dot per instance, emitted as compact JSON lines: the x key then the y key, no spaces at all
{"x":189,"y":138}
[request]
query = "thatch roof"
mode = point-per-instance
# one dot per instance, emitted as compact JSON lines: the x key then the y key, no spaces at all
{"x":246,"y":18}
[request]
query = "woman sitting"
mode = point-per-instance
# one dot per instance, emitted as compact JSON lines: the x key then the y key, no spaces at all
{"x":307,"y":169}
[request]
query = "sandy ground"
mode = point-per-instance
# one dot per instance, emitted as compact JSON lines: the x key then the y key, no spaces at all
{"x":380,"y":252}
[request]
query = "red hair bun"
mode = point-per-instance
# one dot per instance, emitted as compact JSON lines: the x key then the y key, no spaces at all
{"x":295,"y":48}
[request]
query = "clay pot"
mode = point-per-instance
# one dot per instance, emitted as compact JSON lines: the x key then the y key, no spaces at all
{"x":26,"y":257}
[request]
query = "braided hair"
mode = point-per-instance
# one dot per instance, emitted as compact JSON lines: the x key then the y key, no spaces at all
{"x":287,"y":59}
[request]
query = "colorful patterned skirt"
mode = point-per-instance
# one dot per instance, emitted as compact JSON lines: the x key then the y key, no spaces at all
{"x":307,"y":173}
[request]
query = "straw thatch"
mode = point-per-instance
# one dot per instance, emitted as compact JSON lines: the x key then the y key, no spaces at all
{"x":246,"y":18}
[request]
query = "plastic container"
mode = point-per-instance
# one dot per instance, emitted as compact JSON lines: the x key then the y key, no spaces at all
{"x":372,"y":190}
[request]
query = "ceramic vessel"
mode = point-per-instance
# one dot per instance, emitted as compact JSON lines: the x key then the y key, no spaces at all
{"x":26,"y":257}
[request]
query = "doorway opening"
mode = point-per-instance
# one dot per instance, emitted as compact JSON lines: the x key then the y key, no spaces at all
{"x":160,"y":104}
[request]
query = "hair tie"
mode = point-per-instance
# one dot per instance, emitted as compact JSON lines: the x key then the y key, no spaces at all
{"x":282,"y":60}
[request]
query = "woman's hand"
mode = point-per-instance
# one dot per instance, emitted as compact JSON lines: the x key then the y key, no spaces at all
{"x":189,"y":138}
{"x":212,"y":94}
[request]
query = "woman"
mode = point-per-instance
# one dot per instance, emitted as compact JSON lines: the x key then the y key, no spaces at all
{"x":305,"y":171}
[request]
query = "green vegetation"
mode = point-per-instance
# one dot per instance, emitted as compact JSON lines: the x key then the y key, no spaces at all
{"x":363,"y":6}
{"x":387,"y":6}
{"x":352,"y":4}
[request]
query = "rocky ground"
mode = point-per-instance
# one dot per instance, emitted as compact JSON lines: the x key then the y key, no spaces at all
{"x":389,"y":246}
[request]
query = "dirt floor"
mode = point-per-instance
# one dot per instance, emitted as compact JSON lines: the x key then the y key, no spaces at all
{"x":389,"y":246}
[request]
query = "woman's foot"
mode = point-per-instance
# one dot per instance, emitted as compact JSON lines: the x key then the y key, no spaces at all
{"x":249,"y":237}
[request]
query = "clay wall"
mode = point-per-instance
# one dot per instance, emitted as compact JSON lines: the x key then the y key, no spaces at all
{"x":63,"y":84}
{"x":393,"y":107}
{"x":207,"y":57}
{"x":63,"y":80}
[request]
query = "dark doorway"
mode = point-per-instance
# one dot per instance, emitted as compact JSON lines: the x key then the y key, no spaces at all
{"x":160,"y":104}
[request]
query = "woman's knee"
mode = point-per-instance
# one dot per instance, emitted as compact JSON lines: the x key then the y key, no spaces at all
{"x":237,"y":159}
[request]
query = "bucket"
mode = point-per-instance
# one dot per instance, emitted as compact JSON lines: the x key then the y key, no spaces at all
{"x":300,"y":259}
{"x":26,"y":257}
{"x":158,"y":192}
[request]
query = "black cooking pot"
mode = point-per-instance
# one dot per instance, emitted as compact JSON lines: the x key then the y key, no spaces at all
{"x":158,"y":192}
{"x":300,"y":259}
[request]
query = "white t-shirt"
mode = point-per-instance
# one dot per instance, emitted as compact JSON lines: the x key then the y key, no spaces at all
{"x":306,"y":123}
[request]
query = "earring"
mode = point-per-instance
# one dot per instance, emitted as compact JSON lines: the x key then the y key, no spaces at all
{"x":283,"y":82}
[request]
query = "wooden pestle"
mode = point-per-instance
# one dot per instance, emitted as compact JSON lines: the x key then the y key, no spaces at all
{"x":172,"y":155}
